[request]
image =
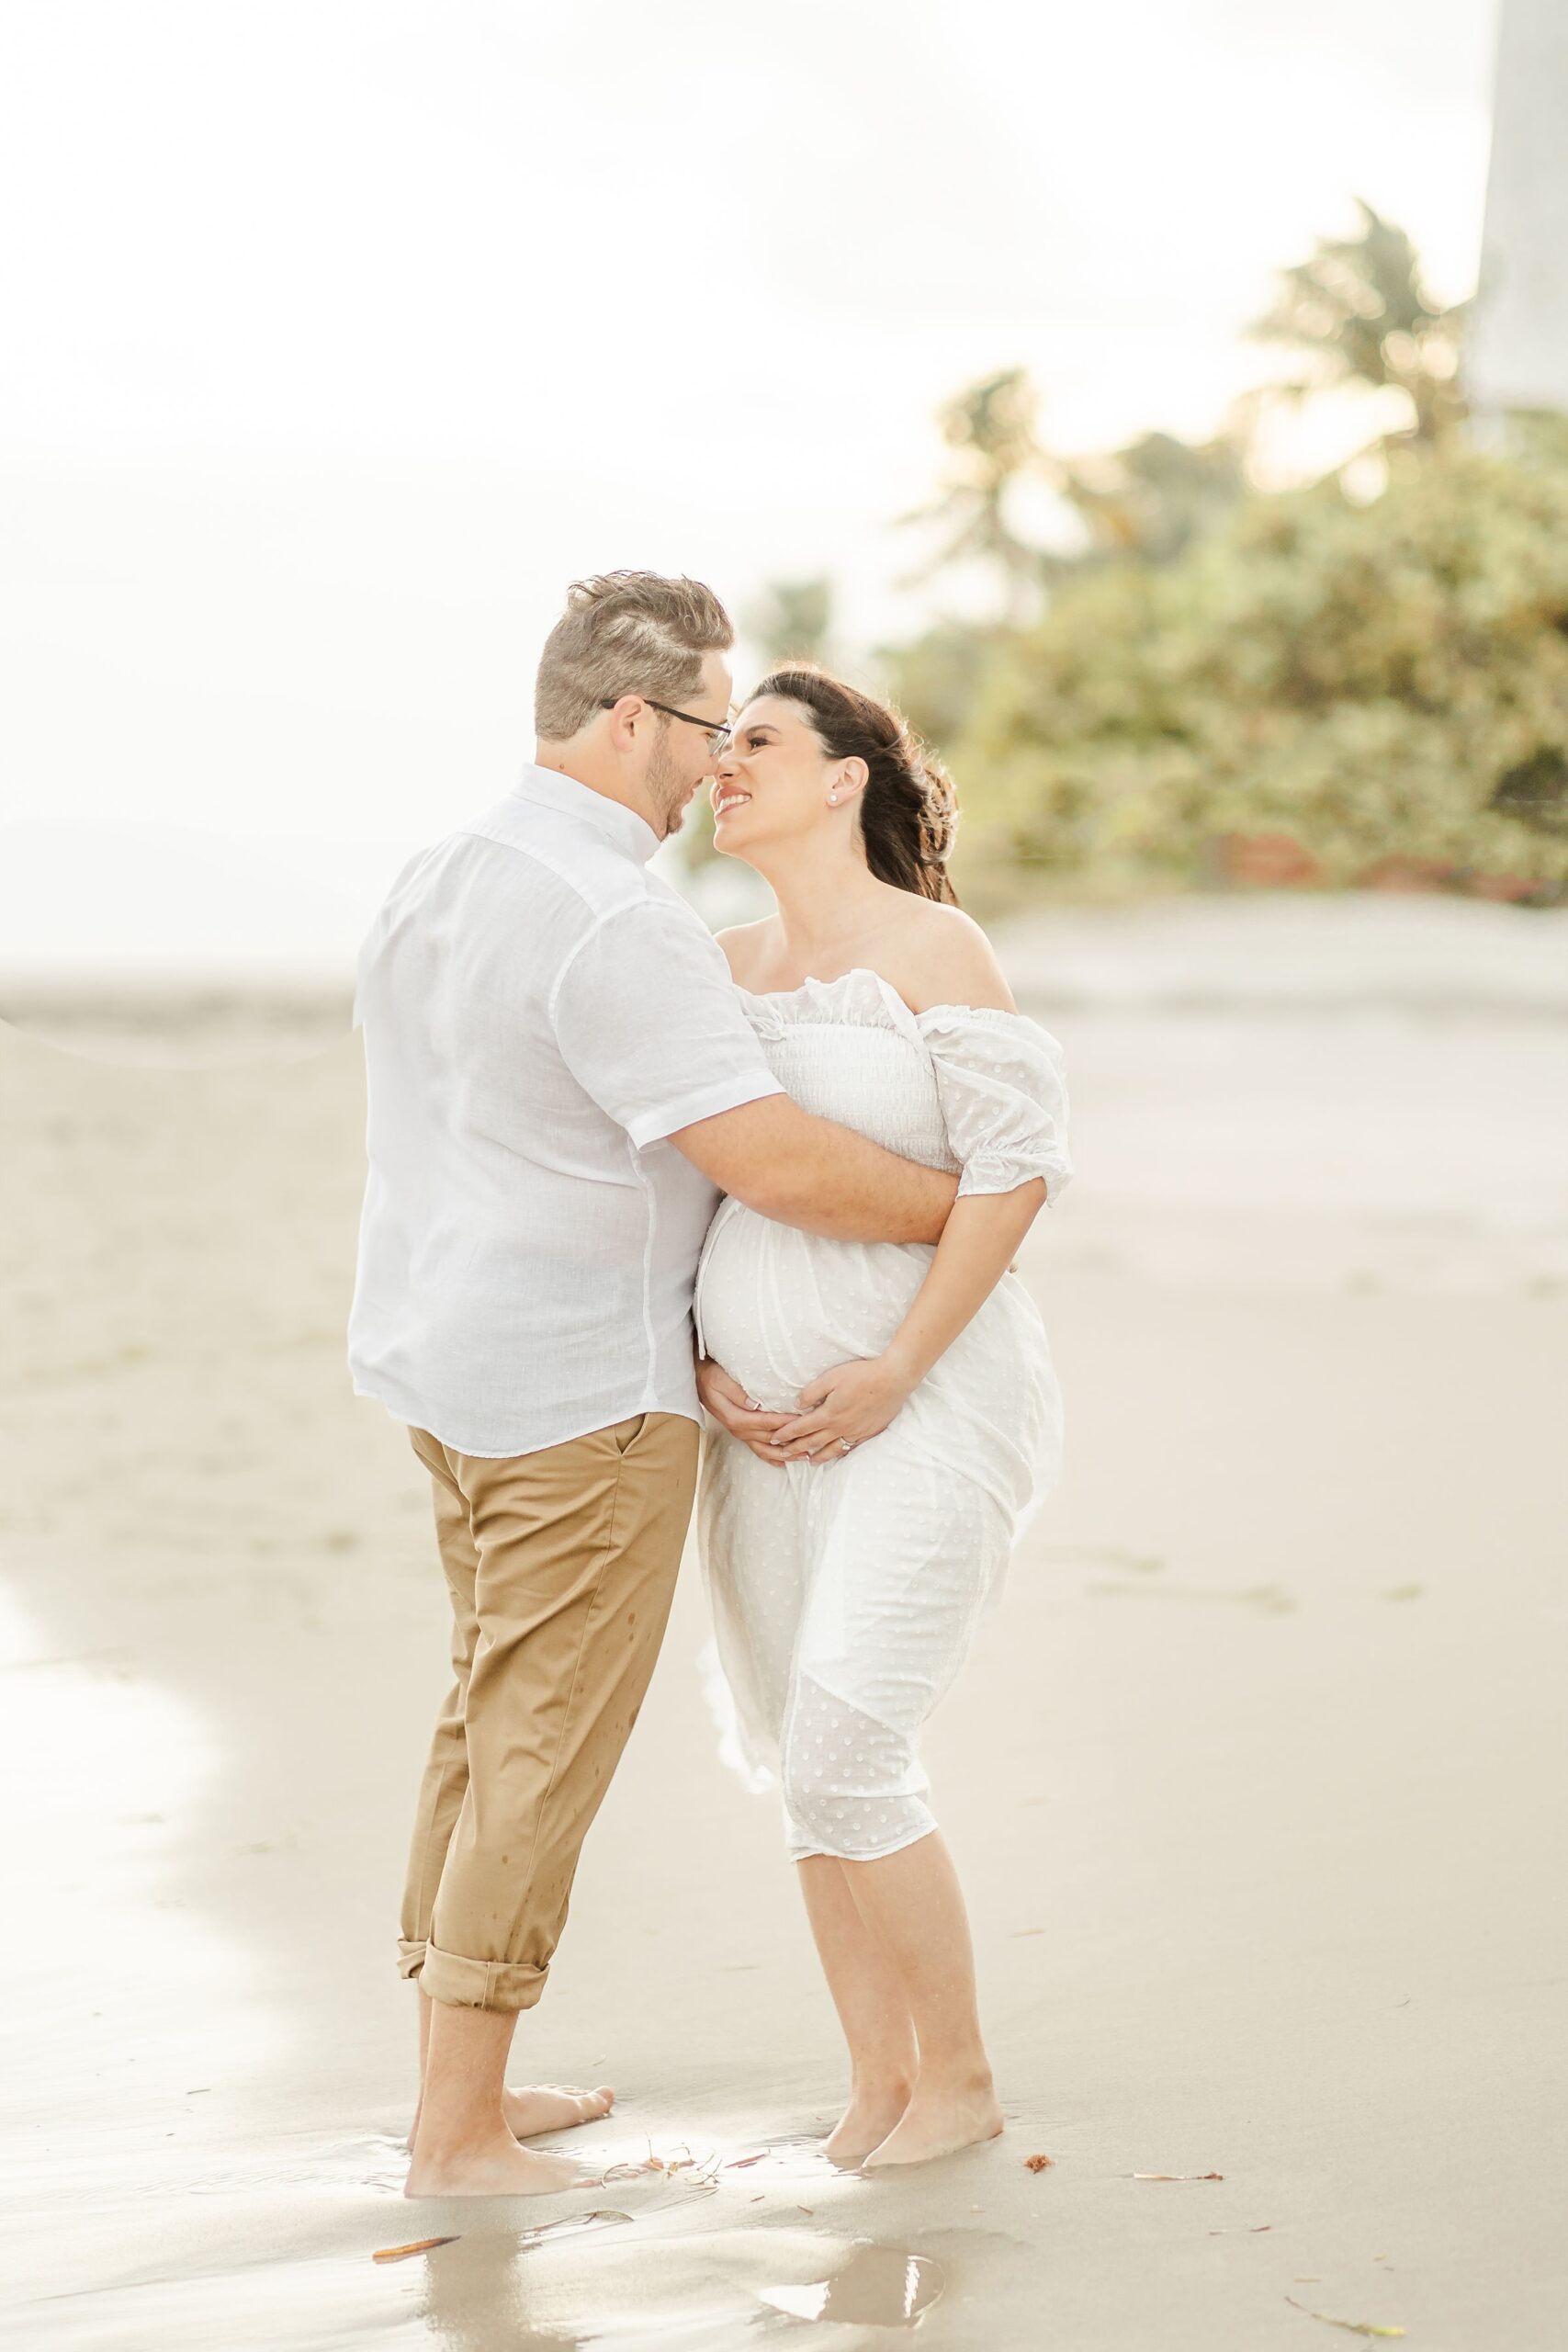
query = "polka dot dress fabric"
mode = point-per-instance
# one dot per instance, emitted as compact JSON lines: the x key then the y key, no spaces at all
{"x":845,"y":1597}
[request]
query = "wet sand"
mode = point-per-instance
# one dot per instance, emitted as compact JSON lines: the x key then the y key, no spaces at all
{"x":1256,"y":1780}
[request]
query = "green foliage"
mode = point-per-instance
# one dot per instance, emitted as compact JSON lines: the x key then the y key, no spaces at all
{"x":1382,"y":681}
{"x":1152,"y":499}
{"x":934,"y":680}
{"x":1346,"y":685}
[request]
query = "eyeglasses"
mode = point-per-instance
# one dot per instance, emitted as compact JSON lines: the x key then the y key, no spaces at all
{"x":718,"y":736}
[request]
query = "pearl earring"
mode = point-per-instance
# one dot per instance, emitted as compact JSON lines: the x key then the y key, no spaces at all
{"x":833,"y":797}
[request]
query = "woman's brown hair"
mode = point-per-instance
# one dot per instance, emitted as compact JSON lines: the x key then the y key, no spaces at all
{"x":909,"y":809}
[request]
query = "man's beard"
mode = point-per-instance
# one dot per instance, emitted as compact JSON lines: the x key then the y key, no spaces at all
{"x":665,"y":788}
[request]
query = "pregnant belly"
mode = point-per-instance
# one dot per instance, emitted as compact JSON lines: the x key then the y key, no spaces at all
{"x":775,"y":1307}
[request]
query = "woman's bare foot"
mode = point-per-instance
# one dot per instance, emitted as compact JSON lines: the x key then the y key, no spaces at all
{"x":938,"y":2119}
{"x":865,"y":2123}
{"x":493,"y":2166}
{"x":553,"y":2106}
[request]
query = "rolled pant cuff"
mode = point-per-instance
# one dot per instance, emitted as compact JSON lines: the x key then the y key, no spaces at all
{"x":474,"y":1984}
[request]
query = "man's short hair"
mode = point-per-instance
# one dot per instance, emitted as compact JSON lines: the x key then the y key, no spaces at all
{"x":624,"y":633}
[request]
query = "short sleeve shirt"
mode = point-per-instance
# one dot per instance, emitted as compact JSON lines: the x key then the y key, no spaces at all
{"x":541,"y":1013}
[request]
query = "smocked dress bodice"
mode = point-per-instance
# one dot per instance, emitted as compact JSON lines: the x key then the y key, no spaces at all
{"x":979,"y":1092}
{"x":953,"y":1087}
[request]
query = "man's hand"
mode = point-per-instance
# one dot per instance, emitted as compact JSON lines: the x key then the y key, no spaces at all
{"x":854,"y":1400}
{"x":730,"y":1406}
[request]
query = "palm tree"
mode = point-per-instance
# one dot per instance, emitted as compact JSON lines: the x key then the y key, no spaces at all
{"x":1358,"y":313}
{"x":1148,"y":500}
{"x":991,"y":428}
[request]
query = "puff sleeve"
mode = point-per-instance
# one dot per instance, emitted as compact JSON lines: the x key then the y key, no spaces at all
{"x":1004,"y":1097}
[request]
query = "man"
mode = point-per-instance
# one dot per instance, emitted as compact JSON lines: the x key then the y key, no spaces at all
{"x":560,"y":1079}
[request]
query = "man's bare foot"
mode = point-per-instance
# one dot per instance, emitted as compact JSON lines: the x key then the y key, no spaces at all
{"x":866,"y":2121}
{"x":938,"y":2119}
{"x":544,"y":2107}
{"x":494,"y":2166}
{"x":553,"y":2106}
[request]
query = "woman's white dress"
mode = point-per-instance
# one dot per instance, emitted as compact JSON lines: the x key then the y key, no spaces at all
{"x":845,"y":1595}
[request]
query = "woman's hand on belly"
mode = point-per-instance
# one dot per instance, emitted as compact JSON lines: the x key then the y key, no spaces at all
{"x":731,"y":1409}
{"x":853,"y":1401}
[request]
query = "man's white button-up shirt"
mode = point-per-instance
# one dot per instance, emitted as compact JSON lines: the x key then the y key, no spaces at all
{"x":538,"y":1012}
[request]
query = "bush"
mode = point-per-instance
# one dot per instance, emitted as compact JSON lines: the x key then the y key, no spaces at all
{"x":1380,"y":683}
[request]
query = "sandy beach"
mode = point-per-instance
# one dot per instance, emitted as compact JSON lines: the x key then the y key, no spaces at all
{"x":1256,"y":1780}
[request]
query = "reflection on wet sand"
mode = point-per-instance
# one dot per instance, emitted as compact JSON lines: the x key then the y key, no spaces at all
{"x":868,"y":2286}
{"x":652,"y":2282}
{"x":710,"y":2289}
{"x":109,"y":1762}
{"x":286,"y":2270}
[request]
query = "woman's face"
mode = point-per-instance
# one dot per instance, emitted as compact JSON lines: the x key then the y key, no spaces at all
{"x":772,"y":781}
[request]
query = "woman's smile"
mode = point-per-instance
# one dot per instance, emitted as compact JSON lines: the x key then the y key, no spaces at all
{"x":727,"y":796}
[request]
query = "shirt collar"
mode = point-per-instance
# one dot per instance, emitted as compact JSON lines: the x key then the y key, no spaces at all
{"x":629,"y":832}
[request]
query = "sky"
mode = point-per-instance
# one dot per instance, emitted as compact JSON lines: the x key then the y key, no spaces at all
{"x":342,"y":335}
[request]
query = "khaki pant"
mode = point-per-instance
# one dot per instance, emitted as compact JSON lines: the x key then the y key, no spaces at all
{"x":561,"y":1566}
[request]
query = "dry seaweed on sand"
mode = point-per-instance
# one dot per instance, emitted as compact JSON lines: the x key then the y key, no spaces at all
{"x":1356,"y":2327}
{"x":682,"y":2161}
{"x":417,"y":2245}
{"x":1176,"y":2175}
{"x":1038,"y":2164}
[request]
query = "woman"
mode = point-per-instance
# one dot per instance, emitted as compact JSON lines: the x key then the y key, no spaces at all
{"x":881,"y":1413}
